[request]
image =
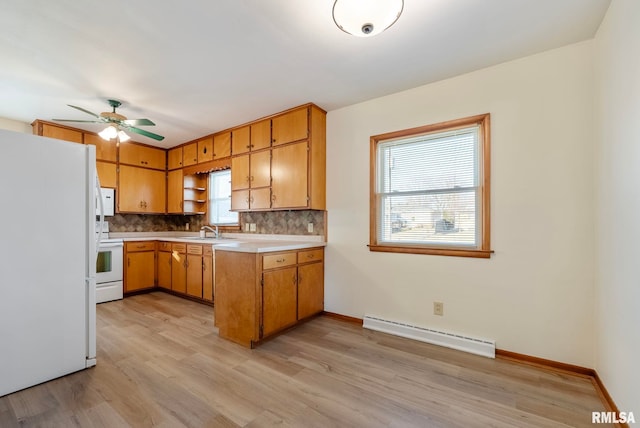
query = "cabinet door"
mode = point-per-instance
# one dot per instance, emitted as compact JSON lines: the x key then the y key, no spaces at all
{"x":107,"y":173}
{"x":105,"y":150}
{"x":179,"y":272}
{"x":194,"y":275}
{"x":143,"y":156}
{"x":207,"y":275}
{"x":260,"y":169}
{"x":289,"y":175}
{"x":141,"y":190}
{"x":240,"y":200}
{"x":205,"y":149}
{"x":278,"y":300}
{"x":240,"y":172}
{"x":240,"y":140}
{"x":261,"y":135}
{"x":164,"y":270}
{"x":190,"y":154}
{"x":175,"y":192}
{"x":174,"y":158}
{"x":60,"y":133}
{"x":260,"y":199}
{"x":140,"y":271}
{"x":222,"y":145}
{"x":310,"y":289}
{"x":289,"y":127}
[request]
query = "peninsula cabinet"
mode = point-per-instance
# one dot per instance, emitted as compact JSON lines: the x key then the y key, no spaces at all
{"x":141,"y":190}
{"x":139,"y":267}
{"x":260,"y":294}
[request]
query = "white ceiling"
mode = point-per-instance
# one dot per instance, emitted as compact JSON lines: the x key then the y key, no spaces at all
{"x":199,"y":66}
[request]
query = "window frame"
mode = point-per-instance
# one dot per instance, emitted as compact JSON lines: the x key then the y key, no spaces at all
{"x":484,"y":248}
{"x":228,"y":226}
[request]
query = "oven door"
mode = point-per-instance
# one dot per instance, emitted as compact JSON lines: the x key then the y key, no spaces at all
{"x":109,"y":264}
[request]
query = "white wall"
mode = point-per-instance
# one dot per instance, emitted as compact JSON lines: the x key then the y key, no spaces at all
{"x":14,"y":125}
{"x":535,"y":295}
{"x":617,"y":45}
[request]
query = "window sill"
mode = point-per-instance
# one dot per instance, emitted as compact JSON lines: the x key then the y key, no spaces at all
{"x":481,"y":254}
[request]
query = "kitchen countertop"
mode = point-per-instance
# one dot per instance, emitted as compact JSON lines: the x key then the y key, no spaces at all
{"x":237,"y":242}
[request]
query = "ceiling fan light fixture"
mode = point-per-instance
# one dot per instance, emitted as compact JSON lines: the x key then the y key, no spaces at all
{"x":108,"y":133}
{"x":122,"y":136}
{"x":366,"y":18}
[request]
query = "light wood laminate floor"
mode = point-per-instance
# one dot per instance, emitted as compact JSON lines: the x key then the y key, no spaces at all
{"x":161,"y":363}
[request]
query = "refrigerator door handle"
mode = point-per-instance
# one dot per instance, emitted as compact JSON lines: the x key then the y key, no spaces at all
{"x":101,"y":205}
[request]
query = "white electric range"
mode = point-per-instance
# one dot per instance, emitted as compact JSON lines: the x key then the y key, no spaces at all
{"x":109,"y":267}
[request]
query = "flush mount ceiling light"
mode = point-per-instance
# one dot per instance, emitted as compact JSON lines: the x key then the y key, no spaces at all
{"x":366,"y":18}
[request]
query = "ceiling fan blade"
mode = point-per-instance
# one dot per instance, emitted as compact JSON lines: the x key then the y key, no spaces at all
{"x":83,"y":110}
{"x":139,"y":122}
{"x":145,"y":133}
{"x":71,"y":120}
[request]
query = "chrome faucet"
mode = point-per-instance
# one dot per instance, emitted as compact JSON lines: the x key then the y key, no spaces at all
{"x":203,"y":232}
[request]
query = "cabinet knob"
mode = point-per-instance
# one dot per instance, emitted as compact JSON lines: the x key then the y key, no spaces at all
{"x":299,"y":279}
{"x":204,"y":150}
{"x":309,"y":256}
{"x":280,"y":260}
{"x":294,"y":280}
{"x":273,"y":197}
{"x":248,"y":146}
{"x":251,"y":178}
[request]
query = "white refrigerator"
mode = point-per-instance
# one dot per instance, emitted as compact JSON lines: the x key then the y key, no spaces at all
{"x":47,"y":259}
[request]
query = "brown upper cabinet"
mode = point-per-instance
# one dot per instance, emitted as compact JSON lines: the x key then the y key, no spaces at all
{"x":294,"y":162}
{"x":58,"y":132}
{"x":241,"y":140}
{"x":105,"y":150}
{"x":143,"y":156}
{"x":290,"y":127}
{"x":222,"y":145}
{"x":190,"y":154}
{"x":205,"y":149}
{"x":174,"y":158}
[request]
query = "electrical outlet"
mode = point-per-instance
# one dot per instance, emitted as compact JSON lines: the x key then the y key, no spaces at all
{"x":438,"y":308}
{"x":186,"y":226}
{"x":246,"y":227}
{"x":310,"y":227}
{"x":252,"y":227}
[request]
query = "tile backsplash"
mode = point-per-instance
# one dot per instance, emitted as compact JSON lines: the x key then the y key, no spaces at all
{"x":267,"y":222}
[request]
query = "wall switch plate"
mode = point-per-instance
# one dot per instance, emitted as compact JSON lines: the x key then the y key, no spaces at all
{"x":246,"y":227}
{"x":438,"y":308}
{"x":186,"y":226}
{"x":310,"y":227}
{"x":252,"y":227}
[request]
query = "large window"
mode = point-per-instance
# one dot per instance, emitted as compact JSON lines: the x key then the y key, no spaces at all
{"x":220,"y":199}
{"x":430,"y":189}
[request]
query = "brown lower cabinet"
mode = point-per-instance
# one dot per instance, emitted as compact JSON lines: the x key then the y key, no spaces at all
{"x":182,"y":268}
{"x":260,"y":294}
{"x":140,"y":265}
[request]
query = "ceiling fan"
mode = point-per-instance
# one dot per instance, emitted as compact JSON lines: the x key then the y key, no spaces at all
{"x":116,"y":122}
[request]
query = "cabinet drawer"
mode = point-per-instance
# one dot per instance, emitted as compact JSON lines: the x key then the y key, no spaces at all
{"x":310,"y":255}
{"x":181,"y":248}
{"x":194,"y":249}
{"x":207,"y":250}
{"x":164,"y":246}
{"x":140,"y":246}
{"x":273,"y":261}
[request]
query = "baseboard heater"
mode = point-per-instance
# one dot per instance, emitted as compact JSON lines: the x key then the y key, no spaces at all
{"x":486,"y":348}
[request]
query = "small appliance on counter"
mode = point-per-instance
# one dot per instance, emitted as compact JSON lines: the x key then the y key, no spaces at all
{"x":109,"y":267}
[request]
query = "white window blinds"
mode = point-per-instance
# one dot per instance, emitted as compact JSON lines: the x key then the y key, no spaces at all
{"x":220,"y":198}
{"x":428,"y":189}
